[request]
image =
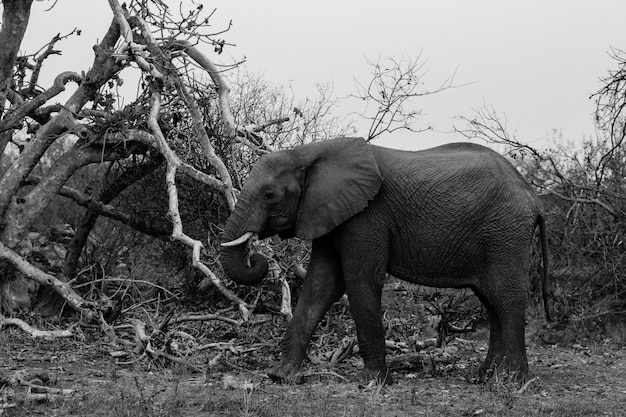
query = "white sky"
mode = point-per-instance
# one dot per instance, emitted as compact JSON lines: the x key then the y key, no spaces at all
{"x":534,"y":61}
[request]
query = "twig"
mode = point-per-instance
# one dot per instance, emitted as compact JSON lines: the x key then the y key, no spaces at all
{"x":216,"y":345}
{"x":47,"y":334}
{"x":62,"y":288}
{"x":345,"y":350}
{"x":144,"y":346}
{"x":526,"y":385}
{"x":325,"y":372}
{"x":43,"y":397}
{"x":34,"y":77}
{"x":134,"y":50}
{"x":128,"y":280}
{"x":141,"y":338}
{"x":207,"y":317}
{"x":18,"y":378}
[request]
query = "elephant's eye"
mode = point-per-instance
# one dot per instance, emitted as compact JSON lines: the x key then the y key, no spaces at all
{"x":269,"y":195}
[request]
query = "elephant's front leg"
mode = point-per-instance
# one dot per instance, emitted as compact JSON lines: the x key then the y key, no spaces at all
{"x":323,"y":286}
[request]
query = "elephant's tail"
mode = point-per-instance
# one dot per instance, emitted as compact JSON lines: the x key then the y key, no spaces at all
{"x":546,"y":288}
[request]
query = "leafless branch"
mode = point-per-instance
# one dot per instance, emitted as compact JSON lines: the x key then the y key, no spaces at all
{"x":33,"y":332}
{"x":62,"y":288}
{"x":203,"y":138}
{"x":40,"y":59}
{"x":14,"y":119}
{"x":486,"y":125}
{"x":173,"y":163}
{"x":394,"y":84}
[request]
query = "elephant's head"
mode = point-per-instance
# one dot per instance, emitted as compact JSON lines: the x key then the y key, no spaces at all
{"x":305,"y":192}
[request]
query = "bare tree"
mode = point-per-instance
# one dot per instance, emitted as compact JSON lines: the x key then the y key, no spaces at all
{"x":389,"y":94}
{"x":255,"y":102}
{"x":168,"y":50}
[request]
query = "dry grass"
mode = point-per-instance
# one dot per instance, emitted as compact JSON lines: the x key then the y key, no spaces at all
{"x":570,"y":381}
{"x":569,"y":378}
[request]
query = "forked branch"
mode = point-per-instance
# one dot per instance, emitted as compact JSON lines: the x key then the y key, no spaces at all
{"x":173,"y":163}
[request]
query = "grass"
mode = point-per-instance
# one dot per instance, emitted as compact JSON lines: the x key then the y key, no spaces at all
{"x":150,"y":396}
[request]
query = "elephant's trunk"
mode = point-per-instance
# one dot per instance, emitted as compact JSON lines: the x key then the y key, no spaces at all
{"x":235,"y":268}
{"x":233,"y":256}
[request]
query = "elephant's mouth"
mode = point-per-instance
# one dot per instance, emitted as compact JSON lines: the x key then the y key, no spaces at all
{"x":277,"y":223}
{"x":287,"y":234}
{"x":278,"y":217}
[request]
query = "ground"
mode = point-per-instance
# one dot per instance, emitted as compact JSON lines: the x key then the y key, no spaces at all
{"x":568,"y":381}
{"x":226,"y":376}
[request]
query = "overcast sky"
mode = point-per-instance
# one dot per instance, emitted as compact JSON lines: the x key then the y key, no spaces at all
{"x":536,"y":62}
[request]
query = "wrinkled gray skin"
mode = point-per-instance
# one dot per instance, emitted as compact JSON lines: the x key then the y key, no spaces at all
{"x":458,"y":215}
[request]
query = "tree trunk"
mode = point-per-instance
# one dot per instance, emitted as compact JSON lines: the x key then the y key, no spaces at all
{"x":105,"y":66}
{"x":14,"y":22}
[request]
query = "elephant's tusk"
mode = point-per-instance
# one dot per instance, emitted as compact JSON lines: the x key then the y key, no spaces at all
{"x":243,"y":239}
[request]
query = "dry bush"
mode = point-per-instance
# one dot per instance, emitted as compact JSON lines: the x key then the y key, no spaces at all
{"x":582,"y":187}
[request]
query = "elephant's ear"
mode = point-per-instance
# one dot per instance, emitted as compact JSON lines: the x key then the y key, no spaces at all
{"x":341,"y":177}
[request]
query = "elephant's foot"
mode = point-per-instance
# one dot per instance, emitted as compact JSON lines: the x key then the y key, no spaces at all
{"x":378,"y":376}
{"x":511,"y":366}
{"x":286,"y":373}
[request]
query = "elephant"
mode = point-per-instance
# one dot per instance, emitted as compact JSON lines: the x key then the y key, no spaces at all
{"x":458,"y":215}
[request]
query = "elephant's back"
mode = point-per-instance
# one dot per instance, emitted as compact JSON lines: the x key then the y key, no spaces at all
{"x":450,"y":157}
{"x":459,"y":164}
{"x":462,"y":177}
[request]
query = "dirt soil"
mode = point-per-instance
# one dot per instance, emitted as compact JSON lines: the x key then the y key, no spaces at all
{"x":226,"y":375}
{"x":568,"y":381}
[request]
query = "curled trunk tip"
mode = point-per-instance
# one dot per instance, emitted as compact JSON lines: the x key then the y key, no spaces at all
{"x":234,"y":263}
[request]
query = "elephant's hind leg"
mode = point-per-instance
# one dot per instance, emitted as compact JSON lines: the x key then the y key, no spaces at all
{"x":323,"y":286}
{"x":507,"y":348}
